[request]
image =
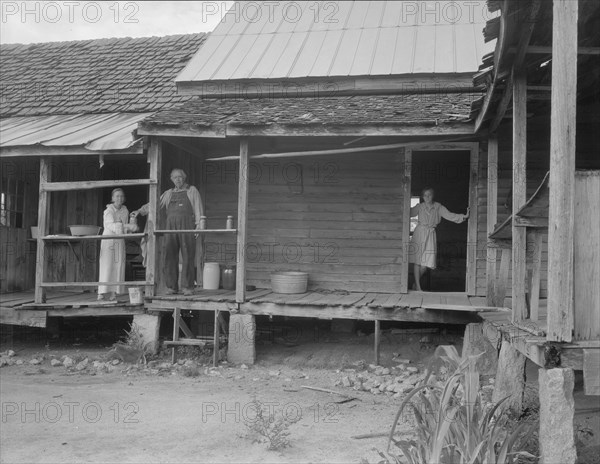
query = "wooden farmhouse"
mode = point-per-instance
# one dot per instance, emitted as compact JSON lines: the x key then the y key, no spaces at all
{"x":317,"y":137}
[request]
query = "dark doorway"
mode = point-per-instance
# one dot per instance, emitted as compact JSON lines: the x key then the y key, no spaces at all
{"x":448,"y":173}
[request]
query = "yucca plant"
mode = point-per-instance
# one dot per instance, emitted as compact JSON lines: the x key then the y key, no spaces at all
{"x":452,"y":424}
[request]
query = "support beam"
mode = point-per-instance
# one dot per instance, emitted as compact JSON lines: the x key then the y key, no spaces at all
{"x":93,"y":184}
{"x":503,"y":279}
{"x":519,"y":234}
{"x":43,"y":219}
{"x":377,"y":341}
{"x":471,"y":281}
{"x":492,"y":217}
{"x":557,"y":410}
{"x":406,"y":196}
{"x":562,"y":170}
{"x":536,"y":276}
{"x":242,"y":231}
{"x":155,"y":161}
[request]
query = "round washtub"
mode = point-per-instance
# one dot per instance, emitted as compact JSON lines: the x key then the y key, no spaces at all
{"x":289,"y":282}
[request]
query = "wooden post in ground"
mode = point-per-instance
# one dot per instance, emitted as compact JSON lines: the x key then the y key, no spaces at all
{"x":562,"y":170}
{"x":377,"y":340}
{"x":243,"y":186}
{"x":492,"y":217}
{"x":43,"y":217}
{"x":406,"y":193}
{"x":557,"y":409}
{"x":155,"y":161}
{"x":519,"y":234}
{"x":216,"y":336}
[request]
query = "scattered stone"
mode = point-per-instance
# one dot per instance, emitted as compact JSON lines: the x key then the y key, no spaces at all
{"x":238,"y":377}
{"x":10,"y":353}
{"x":190,"y":363}
{"x":98,"y":365}
{"x":18,"y":362}
{"x":165,"y":365}
{"x":243,"y":366}
{"x":35,"y":361}
{"x":82,"y":365}
{"x":115,"y":362}
{"x":385,"y":371}
{"x":68,"y":362}
{"x":3,"y":362}
{"x":55,"y":362}
{"x":346,"y":382}
{"x":402,"y":361}
{"x":274,"y":373}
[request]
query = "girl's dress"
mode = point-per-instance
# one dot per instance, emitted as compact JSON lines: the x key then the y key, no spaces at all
{"x":423,"y":244}
{"x":112,"y":252}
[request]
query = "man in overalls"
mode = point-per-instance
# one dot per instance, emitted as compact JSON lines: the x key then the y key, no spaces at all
{"x":183,"y":206}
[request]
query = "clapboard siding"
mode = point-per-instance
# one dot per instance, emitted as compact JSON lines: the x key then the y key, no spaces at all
{"x":345,"y":231}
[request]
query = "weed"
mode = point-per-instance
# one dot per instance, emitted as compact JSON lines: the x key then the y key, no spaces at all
{"x":132,"y":348}
{"x":271,"y":428}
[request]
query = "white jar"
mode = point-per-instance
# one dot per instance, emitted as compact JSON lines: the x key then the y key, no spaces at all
{"x":211,"y":276}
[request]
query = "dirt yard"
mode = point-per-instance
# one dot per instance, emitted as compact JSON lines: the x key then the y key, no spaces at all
{"x":105,"y":412}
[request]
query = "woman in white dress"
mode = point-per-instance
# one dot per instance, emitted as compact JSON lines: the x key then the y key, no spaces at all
{"x":112,"y":252}
{"x":423,"y":244}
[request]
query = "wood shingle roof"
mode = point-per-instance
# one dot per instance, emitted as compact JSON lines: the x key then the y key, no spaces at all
{"x":132,"y":75}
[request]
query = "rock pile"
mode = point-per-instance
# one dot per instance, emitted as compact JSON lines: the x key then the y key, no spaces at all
{"x":379,"y":380}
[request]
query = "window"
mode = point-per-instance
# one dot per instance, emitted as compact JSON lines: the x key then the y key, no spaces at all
{"x":414,"y":201}
{"x":12,"y":192}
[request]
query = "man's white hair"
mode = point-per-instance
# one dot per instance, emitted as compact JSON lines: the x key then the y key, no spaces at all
{"x":181,"y":171}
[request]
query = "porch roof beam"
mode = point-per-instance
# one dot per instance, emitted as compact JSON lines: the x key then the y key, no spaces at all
{"x":433,"y":128}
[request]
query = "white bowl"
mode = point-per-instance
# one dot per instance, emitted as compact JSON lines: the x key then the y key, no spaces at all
{"x":81,"y":230}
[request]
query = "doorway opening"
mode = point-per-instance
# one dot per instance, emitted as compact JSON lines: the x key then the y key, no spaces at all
{"x":448,"y":173}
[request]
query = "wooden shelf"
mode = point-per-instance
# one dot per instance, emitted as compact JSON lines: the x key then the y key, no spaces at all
{"x":76,"y":238}
{"x":194,"y":231}
{"x":93,"y":184}
{"x":131,"y":283}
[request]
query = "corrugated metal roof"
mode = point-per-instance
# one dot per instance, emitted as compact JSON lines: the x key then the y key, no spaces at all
{"x":327,"y":39}
{"x":112,"y":131}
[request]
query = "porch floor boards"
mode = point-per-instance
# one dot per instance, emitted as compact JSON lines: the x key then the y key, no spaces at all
{"x":20,"y":309}
{"x":323,"y":298}
{"x":442,"y":307}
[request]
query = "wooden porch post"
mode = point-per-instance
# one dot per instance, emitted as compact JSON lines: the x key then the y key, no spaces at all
{"x":240,"y":285}
{"x":43,"y":213}
{"x":562,"y":170}
{"x":492,"y":217}
{"x":155,"y":160}
{"x":519,"y":244}
{"x":471,"y":284}
{"x":406,"y":192}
